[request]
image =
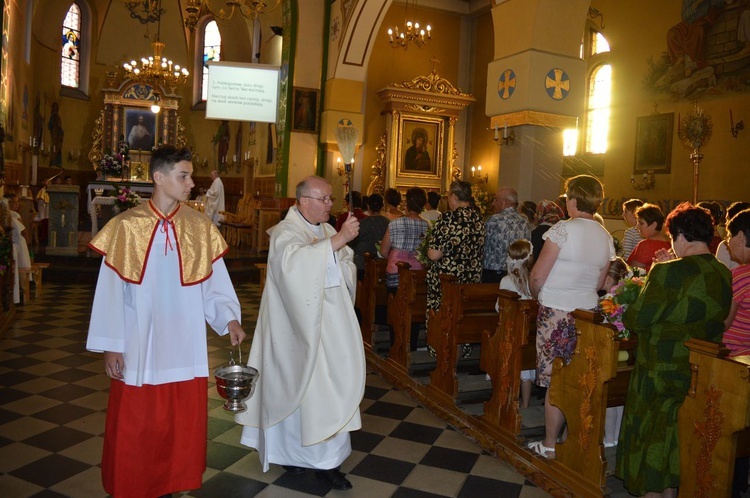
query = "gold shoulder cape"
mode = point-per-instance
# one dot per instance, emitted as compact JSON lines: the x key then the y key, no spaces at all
{"x":126,"y":241}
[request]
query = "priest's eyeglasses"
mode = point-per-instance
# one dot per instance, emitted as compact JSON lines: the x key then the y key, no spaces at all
{"x":324,"y":200}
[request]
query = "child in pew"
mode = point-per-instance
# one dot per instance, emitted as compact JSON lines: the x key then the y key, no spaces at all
{"x":519,"y":262}
{"x":618,"y":269}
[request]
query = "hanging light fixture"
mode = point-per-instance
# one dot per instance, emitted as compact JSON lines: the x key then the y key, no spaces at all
{"x":157,"y":70}
{"x":250,"y":9}
{"x":145,"y":11}
{"x":156,"y":106}
{"x":413,"y":33}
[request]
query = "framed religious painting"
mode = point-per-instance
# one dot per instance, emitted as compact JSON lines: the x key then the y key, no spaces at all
{"x":140,"y":129}
{"x":420,"y":146}
{"x":305,"y":110}
{"x":653,"y":143}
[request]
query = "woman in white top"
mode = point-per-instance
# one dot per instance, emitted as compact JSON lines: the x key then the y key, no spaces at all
{"x":571,"y":268}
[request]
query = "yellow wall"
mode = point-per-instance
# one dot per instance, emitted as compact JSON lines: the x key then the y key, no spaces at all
{"x":389,"y":65}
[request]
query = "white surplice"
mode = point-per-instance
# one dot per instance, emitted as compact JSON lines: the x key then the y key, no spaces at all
{"x":214,"y":201}
{"x":160,"y":325}
{"x":308,"y":349}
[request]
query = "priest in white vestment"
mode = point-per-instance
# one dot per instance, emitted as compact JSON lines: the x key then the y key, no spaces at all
{"x":307,"y":344}
{"x":215,"y":198}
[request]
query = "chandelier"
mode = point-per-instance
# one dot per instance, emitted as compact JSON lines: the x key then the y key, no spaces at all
{"x":413,"y":33}
{"x":157,"y":70}
{"x":250,"y":9}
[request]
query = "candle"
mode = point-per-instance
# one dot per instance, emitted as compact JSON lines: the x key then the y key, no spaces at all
{"x":234,"y":158}
{"x":62,"y":219}
{"x":505,"y":130}
{"x":473,"y":170}
{"x":497,"y":136}
{"x":731,"y":118}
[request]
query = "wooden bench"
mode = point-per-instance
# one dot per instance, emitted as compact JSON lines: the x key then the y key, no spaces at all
{"x":408,"y":305}
{"x":25,"y":276}
{"x":466,"y":311}
{"x":581,"y":390}
{"x":713,"y":420}
{"x":506,"y":351}
{"x":371,"y":293}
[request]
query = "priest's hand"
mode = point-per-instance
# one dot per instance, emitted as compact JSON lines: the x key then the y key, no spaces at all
{"x":236,"y":334}
{"x":349,"y":231}
{"x":114,"y":365}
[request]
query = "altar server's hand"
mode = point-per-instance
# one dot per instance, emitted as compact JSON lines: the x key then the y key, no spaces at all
{"x":114,"y":365}
{"x":236,"y":334}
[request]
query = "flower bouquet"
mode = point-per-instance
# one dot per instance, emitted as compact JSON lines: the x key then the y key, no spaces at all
{"x":613,"y":304}
{"x":126,"y":199}
{"x":111,"y":165}
{"x":482,"y":198}
{"x":424,"y":244}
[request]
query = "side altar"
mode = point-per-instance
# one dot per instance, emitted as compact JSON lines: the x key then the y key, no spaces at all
{"x":102,"y":193}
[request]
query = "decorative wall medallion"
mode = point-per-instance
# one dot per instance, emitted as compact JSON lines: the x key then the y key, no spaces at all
{"x":506,"y":84}
{"x":557,"y":84}
{"x":345,"y":123}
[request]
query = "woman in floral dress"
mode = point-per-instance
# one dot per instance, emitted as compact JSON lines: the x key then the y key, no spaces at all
{"x":570,"y":270}
{"x":456,"y":247}
{"x":683,"y":298}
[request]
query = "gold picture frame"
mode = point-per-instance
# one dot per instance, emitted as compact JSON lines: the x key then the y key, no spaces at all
{"x":421,"y":146}
{"x":653,"y":143}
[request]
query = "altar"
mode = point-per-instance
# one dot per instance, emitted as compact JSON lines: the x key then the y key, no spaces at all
{"x":97,"y":195}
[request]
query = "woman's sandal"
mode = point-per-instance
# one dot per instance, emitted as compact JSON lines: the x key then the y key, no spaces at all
{"x":541,"y":450}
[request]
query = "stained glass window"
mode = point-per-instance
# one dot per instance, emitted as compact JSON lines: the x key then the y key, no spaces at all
{"x":70,"y":67}
{"x":211,"y":52}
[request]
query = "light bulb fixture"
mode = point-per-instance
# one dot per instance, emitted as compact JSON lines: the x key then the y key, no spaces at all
{"x":250,"y":9}
{"x":156,"y":106}
{"x":476,"y":175}
{"x":157,"y":70}
{"x":508,"y":135}
{"x":648,"y":183}
{"x":413,"y":33}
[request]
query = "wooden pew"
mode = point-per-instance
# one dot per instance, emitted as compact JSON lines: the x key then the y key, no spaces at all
{"x":408,"y":305}
{"x":371,"y":293}
{"x":581,"y":389}
{"x":466,"y":310}
{"x":506,"y":351}
{"x":715,"y":411}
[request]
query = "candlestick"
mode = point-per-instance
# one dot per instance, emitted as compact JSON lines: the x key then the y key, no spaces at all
{"x":505,"y":130}
{"x":497,"y":135}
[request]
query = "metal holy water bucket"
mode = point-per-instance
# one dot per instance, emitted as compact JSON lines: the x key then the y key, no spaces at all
{"x":235,"y":384}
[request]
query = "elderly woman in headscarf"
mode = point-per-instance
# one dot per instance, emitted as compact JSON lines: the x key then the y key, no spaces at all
{"x":547,"y":214}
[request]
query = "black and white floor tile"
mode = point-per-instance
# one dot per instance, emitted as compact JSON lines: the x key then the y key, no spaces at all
{"x":53,"y":397}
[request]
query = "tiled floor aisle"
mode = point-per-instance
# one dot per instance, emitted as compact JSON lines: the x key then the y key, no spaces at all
{"x":53,"y":396}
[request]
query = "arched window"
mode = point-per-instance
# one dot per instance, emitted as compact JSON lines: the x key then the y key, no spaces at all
{"x":70,"y":67}
{"x":595,"y":50}
{"x":599,"y":94}
{"x":211,"y":52}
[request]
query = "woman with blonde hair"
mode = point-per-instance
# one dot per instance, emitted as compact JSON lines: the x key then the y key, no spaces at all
{"x":570,"y":270}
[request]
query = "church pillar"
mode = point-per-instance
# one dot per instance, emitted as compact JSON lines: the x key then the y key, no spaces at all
{"x":535,"y":89}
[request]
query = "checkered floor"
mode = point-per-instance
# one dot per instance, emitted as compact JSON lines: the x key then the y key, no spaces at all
{"x":53,"y":396}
